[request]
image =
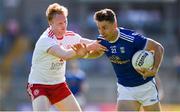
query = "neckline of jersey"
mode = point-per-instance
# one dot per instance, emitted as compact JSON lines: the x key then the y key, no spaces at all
{"x":53,"y":35}
{"x":118,"y":36}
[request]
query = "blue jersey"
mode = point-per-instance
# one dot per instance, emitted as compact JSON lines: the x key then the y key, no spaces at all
{"x":75,"y":81}
{"x":120,"y":54}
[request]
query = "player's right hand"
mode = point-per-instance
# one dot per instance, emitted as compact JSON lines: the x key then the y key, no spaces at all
{"x":80,"y":49}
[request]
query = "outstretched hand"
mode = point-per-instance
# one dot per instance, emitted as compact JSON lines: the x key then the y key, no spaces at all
{"x":80,"y":49}
{"x":96,"y":46}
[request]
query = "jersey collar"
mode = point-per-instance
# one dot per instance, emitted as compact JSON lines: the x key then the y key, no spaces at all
{"x":117,"y":36}
{"x":51,"y":34}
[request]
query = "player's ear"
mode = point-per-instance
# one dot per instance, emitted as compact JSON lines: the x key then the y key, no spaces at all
{"x":66,"y":21}
{"x":50,"y":23}
{"x":115,"y":24}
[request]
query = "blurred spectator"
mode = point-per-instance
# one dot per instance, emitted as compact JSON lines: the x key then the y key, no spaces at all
{"x":141,"y":18}
{"x":14,"y":56}
{"x":160,"y":87}
{"x":178,"y":37}
{"x":38,"y":26}
{"x":76,"y":79}
{"x":177,"y":66}
{"x":13,"y":28}
{"x":9,"y":49}
{"x":1,"y":41}
{"x":176,"y":78}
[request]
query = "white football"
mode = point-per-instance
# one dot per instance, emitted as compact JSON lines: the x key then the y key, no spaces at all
{"x":143,"y":59}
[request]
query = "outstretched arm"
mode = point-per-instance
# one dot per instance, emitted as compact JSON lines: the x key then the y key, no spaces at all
{"x":77,"y":51}
{"x":95,"y":49}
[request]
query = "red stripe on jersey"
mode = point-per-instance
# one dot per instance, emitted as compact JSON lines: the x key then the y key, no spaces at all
{"x":50,"y":34}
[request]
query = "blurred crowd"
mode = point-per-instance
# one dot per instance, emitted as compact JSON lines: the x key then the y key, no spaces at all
{"x":22,"y":22}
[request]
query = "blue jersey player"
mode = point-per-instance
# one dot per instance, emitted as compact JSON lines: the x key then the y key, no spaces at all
{"x":134,"y":90}
{"x":76,"y":80}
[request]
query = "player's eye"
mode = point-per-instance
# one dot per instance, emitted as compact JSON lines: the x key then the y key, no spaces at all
{"x":60,"y":23}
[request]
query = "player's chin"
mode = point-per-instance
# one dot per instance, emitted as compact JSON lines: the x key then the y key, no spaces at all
{"x":63,"y":31}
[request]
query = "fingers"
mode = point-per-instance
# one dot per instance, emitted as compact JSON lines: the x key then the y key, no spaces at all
{"x":144,"y":77}
{"x":95,"y":46}
{"x":84,"y":45}
{"x":145,"y":72}
{"x":78,"y":46}
{"x":101,"y":47}
{"x":74,"y":48}
{"x":140,"y":71}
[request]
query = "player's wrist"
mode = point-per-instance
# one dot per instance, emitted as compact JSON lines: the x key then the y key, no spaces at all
{"x":154,"y":70}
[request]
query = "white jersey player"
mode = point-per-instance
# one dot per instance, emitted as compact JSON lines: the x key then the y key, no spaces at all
{"x":46,"y":83}
{"x":46,"y":68}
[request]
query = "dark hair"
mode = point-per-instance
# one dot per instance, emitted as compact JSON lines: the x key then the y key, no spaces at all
{"x":105,"y":15}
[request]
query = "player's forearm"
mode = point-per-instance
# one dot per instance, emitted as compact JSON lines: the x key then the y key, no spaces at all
{"x":158,"y":56}
{"x":69,"y":55}
{"x":62,"y":53}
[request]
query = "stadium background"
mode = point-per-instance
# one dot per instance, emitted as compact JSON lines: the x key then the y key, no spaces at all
{"x":24,"y":20}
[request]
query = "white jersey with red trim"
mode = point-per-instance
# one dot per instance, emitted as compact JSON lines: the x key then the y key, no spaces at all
{"x":46,"y":68}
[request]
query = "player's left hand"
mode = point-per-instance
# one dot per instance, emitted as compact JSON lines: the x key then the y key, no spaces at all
{"x":96,"y":46}
{"x":146,"y":72}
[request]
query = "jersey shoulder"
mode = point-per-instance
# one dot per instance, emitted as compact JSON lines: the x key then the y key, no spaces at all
{"x":129,"y":35}
{"x":46,"y":39}
{"x":47,"y":34}
{"x":71,"y":34}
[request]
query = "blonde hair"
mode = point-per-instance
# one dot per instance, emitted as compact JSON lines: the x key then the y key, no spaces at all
{"x":54,"y":9}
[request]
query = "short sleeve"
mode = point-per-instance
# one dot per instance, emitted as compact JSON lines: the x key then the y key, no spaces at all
{"x":72,"y":38}
{"x":140,"y":41}
{"x":45,"y":43}
{"x":78,"y":36}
